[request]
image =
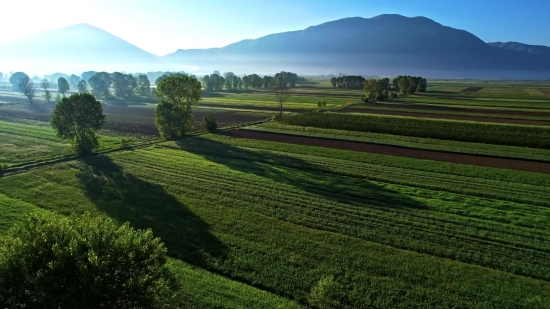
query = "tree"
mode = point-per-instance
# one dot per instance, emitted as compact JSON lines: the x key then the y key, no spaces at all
{"x":177,"y":95}
{"x":15,"y":79}
{"x":282,"y":94}
{"x":403,"y":85}
{"x":74,"y":80}
{"x":50,"y":261}
{"x":376,"y":90}
{"x":45,"y":84}
{"x":100,"y":83}
{"x":82,"y":86}
{"x":321,"y":103}
{"x":63,"y":85}
{"x":246,"y":81}
{"x":209,"y":123}
{"x":26,"y":86}
{"x":143,"y":85}
{"x":78,"y":118}
{"x":87,"y":75}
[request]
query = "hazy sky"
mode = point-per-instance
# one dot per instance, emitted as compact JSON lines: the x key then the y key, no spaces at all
{"x":163,"y":26}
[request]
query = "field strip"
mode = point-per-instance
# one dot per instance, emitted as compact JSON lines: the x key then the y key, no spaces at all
{"x":520,"y":165}
{"x":447,"y":116}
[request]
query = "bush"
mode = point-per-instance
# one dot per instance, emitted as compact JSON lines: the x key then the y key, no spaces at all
{"x":325,"y":294}
{"x":321,"y":103}
{"x":209,"y":123}
{"x":3,"y":166}
{"x":49,"y":261}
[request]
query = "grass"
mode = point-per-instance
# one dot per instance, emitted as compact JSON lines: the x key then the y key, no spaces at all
{"x":36,"y":140}
{"x":535,"y":103}
{"x":280,"y":217}
{"x":465,"y":131}
{"x":408,"y":141}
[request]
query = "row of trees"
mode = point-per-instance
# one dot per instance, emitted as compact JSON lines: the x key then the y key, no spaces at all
{"x":348,"y":82}
{"x":410,"y":84}
{"x":377,"y":89}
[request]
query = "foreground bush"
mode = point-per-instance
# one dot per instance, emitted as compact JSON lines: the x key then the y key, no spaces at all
{"x":82,"y":262}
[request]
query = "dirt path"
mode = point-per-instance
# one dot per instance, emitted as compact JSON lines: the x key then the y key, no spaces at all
{"x":514,"y":164}
{"x":451,"y":117}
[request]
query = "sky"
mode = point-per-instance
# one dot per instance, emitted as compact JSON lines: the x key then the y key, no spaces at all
{"x":163,"y":26}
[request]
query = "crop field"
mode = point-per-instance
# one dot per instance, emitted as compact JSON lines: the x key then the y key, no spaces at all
{"x":502,"y":134}
{"x":394,"y":232}
{"x":435,"y":200}
{"x":408,"y":142}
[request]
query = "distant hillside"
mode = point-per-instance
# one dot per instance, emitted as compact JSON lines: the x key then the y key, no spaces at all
{"x":384,"y":45}
{"x":524,"y":48}
{"x":79,"y":46}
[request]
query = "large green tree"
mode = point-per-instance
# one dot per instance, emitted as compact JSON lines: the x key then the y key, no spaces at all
{"x":143,"y":85}
{"x":100,"y":83}
{"x":177,"y":95}
{"x":15,"y":78}
{"x":74,"y":79}
{"x":82,"y":86}
{"x":49,"y":261}
{"x":124,"y":84}
{"x":63,"y":85}
{"x":78,"y":118}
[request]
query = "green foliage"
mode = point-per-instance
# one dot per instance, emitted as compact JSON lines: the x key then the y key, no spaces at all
{"x":74,"y":80}
{"x":410,"y":84}
{"x":321,"y":103}
{"x":83,"y":262}
{"x":143,"y":85}
{"x":100,"y":83}
{"x":82,"y":86}
{"x":325,"y":294}
{"x":348,"y":82}
{"x":491,"y":133}
{"x":209,"y":123}
{"x":376,"y":89}
{"x":63,"y":85}
{"x":15,"y":79}
{"x":124,"y":84}
{"x":58,"y":98}
{"x":47,"y":96}
{"x":177,"y":95}
{"x":3,"y":166}
{"x":78,"y":118}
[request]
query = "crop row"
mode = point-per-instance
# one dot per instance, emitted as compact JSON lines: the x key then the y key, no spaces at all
{"x":208,"y":211}
{"x":530,"y":136}
{"x":408,"y":141}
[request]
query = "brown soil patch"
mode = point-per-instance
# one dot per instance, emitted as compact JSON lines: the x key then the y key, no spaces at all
{"x":544,"y":91}
{"x":472,"y":89}
{"x":452,"y":117}
{"x":520,"y":165}
{"x":254,"y":108}
{"x":125,"y":119}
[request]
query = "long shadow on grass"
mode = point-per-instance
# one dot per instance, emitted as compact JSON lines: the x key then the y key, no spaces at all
{"x":308,"y":176}
{"x":127,"y":198}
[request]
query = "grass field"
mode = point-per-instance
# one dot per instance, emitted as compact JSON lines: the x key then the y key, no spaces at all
{"x":253,"y":223}
{"x":244,"y":204}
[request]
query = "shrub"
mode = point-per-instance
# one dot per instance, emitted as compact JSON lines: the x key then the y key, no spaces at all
{"x":49,"y":261}
{"x":325,"y":294}
{"x":209,"y":123}
{"x":321,"y":103}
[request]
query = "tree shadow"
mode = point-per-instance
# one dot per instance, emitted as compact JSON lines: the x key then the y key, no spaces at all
{"x":308,"y":176}
{"x":127,"y":198}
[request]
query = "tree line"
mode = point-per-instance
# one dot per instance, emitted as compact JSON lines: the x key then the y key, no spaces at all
{"x":348,"y":82}
{"x":378,"y":89}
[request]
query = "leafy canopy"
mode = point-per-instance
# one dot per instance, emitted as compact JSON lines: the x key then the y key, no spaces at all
{"x":63,"y":85}
{"x":177,"y":95}
{"x":48,"y":261}
{"x":78,"y":118}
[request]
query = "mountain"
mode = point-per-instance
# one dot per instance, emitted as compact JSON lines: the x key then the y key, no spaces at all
{"x":75,"y":48}
{"x":382,"y":45}
{"x":524,"y":48}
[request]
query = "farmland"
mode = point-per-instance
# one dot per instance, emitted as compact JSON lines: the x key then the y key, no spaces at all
{"x":400,"y":211}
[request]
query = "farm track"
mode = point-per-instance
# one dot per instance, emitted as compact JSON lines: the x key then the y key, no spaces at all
{"x":450,"y":117}
{"x":487,"y":161}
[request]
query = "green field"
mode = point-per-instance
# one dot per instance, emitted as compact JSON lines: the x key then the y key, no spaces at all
{"x":231,"y":205}
{"x":408,"y":141}
{"x":258,"y":224}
